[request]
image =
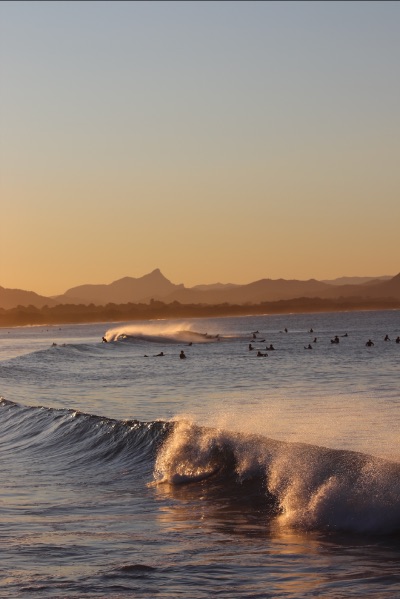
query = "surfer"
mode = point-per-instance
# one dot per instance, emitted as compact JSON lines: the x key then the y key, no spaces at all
{"x":387,"y":338}
{"x":308,"y":347}
{"x":315,"y":340}
{"x":369,"y":343}
{"x":260,"y":355}
{"x":270,"y":348}
{"x":160,"y":354}
{"x":104,"y":340}
{"x":397,"y":339}
{"x":182,"y":355}
{"x":250,"y":347}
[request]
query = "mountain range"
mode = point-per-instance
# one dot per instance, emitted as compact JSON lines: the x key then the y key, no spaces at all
{"x":156,"y":287}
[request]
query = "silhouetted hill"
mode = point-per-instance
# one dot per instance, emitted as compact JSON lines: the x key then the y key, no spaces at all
{"x":259,"y":291}
{"x":214,"y":286}
{"x":355,"y":280}
{"x":268,"y":290}
{"x":11,"y":298}
{"x":390,"y":288}
{"x":373,"y":290}
{"x":154,"y":285}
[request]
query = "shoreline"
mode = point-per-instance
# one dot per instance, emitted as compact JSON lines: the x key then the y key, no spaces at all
{"x":64,"y":314}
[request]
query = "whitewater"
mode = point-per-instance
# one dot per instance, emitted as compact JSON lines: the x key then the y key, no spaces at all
{"x":264,"y":464}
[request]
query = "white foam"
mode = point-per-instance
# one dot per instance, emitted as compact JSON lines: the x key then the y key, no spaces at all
{"x":316,"y":488}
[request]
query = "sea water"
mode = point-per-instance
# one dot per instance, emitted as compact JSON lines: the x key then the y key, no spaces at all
{"x":129,"y":474}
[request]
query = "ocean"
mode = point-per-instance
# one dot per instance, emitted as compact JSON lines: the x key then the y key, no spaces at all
{"x":125,"y":473}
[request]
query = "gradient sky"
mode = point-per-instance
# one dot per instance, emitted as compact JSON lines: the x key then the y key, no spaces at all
{"x":217,"y":141}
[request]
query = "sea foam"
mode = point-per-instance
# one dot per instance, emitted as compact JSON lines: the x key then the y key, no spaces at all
{"x":314,"y":487}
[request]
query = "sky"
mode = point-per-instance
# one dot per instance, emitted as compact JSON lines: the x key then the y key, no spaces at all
{"x":217,"y":141}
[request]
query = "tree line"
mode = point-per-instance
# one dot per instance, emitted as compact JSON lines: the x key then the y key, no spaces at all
{"x":82,"y":313}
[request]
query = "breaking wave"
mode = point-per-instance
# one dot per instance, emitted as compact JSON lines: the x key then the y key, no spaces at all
{"x":306,"y":486}
{"x":159,"y":332}
{"x":302,"y":486}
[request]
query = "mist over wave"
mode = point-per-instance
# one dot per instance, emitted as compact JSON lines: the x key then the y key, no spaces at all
{"x":309,"y":487}
{"x":159,"y":332}
{"x":301,"y":486}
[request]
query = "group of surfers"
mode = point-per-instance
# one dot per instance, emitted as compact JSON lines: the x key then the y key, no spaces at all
{"x":335,"y":341}
{"x":260,"y":354}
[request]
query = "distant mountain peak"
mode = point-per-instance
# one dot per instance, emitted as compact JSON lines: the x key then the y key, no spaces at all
{"x":128,"y":289}
{"x":156,"y":273}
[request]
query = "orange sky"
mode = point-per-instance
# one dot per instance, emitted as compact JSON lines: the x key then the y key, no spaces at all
{"x":221,"y":142}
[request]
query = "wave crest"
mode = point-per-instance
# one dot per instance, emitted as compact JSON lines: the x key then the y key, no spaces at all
{"x":312,"y":487}
{"x":159,"y":332}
